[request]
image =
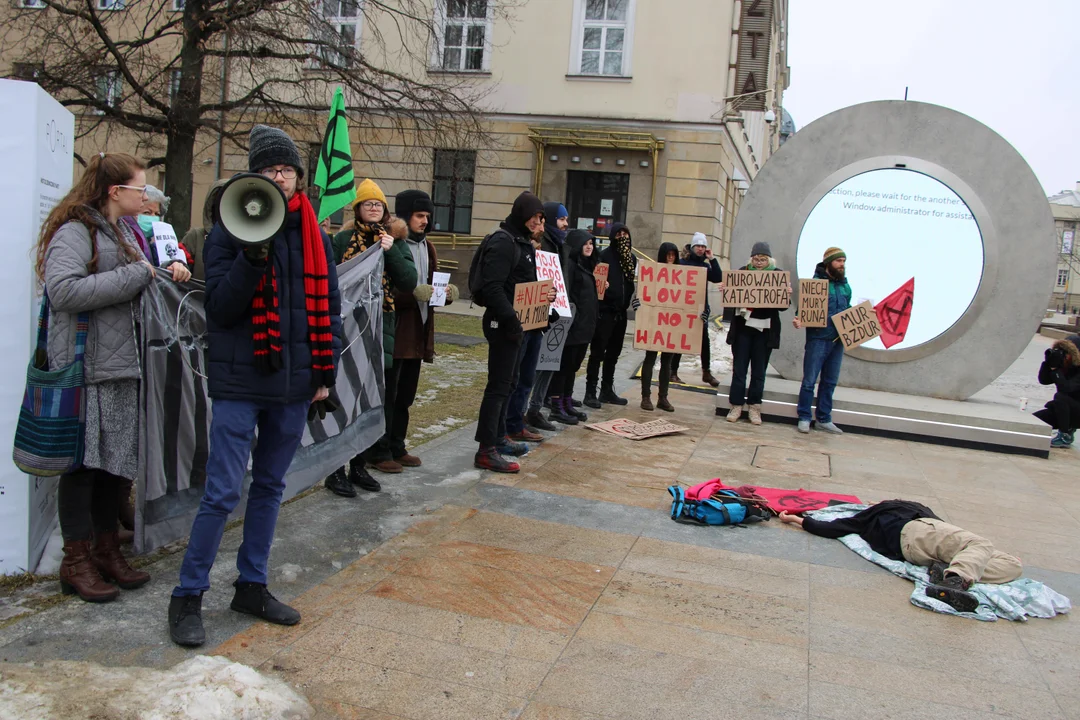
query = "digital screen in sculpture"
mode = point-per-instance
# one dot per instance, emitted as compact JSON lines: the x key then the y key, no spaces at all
{"x":894,"y":225}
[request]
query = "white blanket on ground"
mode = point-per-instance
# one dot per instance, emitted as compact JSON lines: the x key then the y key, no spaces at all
{"x":1017,"y":600}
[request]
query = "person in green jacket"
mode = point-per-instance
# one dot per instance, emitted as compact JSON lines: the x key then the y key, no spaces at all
{"x":375,"y":225}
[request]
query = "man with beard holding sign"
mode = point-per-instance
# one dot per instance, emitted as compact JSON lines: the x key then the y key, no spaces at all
{"x":824,"y":352}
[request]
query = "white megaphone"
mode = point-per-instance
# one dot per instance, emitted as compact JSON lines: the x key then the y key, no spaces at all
{"x":252,"y":208}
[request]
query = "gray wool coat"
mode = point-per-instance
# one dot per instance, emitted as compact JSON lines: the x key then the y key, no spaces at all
{"x":108,"y":294}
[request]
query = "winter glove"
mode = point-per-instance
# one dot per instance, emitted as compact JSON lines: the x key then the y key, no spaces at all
{"x":423,"y":293}
{"x":257,"y":254}
{"x":635,"y":303}
{"x":452,"y":293}
{"x":322,"y":408}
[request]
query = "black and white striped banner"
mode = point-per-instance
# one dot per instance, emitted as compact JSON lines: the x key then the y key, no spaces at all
{"x":176,"y":411}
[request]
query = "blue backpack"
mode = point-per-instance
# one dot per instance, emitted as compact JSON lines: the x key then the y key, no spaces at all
{"x":733,"y":509}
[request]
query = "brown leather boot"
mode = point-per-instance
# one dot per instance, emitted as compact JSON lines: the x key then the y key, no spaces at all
{"x":708,"y":379}
{"x":78,"y":575}
{"x":112,"y":564}
{"x":664,"y":405}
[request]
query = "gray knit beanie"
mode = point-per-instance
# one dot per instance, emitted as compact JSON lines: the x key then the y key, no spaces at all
{"x":761,"y":248}
{"x":269,"y":146}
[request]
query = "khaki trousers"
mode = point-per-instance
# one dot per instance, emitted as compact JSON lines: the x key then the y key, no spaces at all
{"x":970,"y":556}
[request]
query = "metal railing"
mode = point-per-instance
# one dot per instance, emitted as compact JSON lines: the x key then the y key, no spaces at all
{"x":454,"y":241}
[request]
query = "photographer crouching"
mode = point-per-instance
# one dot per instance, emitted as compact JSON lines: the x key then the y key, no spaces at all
{"x":1062,"y":368}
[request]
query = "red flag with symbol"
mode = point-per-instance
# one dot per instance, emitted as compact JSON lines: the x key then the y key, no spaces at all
{"x":894,"y":313}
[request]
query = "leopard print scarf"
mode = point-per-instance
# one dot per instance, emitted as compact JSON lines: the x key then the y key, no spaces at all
{"x":364,"y":236}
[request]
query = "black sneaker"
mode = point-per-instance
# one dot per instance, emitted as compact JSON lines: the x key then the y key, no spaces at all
{"x":936,"y":571}
{"x":591,"y":401}
{"x":185,"y":620}
{"x":953,"y":591}
{"x":338,"y":483}
{"x":536,"y":419}
{"x":361,"y":478}
{"x":607,"y":395}
{"x":254,"y":599}
{"x":577,"y":403}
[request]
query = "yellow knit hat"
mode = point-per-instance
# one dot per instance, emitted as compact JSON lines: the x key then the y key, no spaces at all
{"x":369,"y":190}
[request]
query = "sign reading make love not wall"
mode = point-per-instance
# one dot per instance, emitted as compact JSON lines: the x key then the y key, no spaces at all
{"x":36,"y":142}
{"x":672,"y":299}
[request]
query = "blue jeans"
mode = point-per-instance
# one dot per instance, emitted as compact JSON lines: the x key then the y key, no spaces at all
{"x":822,"y":357}
{"x":519,"y":393}
{"x":232,"y":432}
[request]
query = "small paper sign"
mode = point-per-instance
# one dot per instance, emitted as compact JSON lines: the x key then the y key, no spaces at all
{"x":857,"y":325}
{"x":553,"y":343}
{"x":584,"y":223}
{"x":637,"y":431}
{"x":601,"y":275}
{"x":607,"y":207}
{"x":531,"y":304}
{"x":814,"y":303}
{"x":168,"y":247}
{"x":549,"y":267}
{"x":439,"y":281}
{"x":757,"y":289}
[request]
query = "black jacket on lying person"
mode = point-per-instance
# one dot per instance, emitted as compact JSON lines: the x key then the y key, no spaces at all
{"x":879,"y":525}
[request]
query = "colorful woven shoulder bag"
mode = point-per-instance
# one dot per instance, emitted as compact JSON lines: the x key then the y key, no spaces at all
{"x":52,"y":420}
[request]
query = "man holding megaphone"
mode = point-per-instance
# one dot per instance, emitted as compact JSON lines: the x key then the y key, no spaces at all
{"x":273,"y":313}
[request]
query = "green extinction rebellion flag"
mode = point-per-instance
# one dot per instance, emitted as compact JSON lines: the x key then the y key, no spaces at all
{"x":334,"y":175}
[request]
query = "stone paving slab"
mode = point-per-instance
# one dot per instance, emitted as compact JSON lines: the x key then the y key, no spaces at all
{"x":566,"y":593}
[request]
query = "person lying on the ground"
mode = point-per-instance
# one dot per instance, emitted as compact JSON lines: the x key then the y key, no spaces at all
{"x":907,"y":530}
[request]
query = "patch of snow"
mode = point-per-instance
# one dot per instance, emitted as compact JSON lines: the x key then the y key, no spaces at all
{"x":49,"y":564}
{"x":463,"y":478}
{"x":439,"y":428}
{"x":289,"y":572}
{"x":202,"y":688}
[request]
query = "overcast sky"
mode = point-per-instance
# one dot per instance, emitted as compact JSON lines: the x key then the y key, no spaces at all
{"x":1013,"y":66}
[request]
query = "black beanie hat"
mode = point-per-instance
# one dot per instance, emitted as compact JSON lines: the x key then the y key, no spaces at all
{"x":269,"y":146}
{"x":408,"y":202}
{"x":525,"y":207}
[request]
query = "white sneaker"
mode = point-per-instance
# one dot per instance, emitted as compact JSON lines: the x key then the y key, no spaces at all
{"x":830,"y":428}
{"x":804,"y":426}
{"x":755,"y":414}
{"x":734,"y":413}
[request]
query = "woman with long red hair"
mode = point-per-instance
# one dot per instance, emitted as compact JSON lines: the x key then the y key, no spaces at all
{"x":91,"y":263}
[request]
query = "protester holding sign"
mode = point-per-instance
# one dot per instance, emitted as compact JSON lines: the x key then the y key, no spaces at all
{"x":583,"y":298}
{"x":142,"y":225}
{"x":93,"y":272}
{"x":753,"y":335}
{"x":373,"y":225}
{"x":667,"y":254}
{"x":824,"y":352}
{"x":506,"y":257}
{"x":273,"y":313}
{"x":607,"y":342}
{"x":414,"y":341}
{"x":701,"y":256}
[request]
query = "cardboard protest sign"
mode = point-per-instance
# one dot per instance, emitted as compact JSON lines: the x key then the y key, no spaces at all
{"x":531,"y":304}
{"x":439,"y":281}
{"x":757,"y":288}
{"x":672,"y":299}
{"x":600,"y":272}
{"x":548,"y":267}
{"x":857,"y":325}
{"x":631,"y":430}
{"x":552,"y":344}
{"x":168,"y":247}
{"x":814,"y":303}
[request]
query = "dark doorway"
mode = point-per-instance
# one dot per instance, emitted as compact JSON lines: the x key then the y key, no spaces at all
{"x":596,"y":199}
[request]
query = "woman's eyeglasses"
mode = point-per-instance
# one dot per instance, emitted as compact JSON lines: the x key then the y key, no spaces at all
{"x":371,"y":205}
{"x":140,"y":188}
{"x":286,"y":172}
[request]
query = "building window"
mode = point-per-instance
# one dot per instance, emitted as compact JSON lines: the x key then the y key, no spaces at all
{"x":1063,"y":277}
{"x":108,"y":85}
{"x":603,"y":37}
{"x":174,"y":84}
{"x":110,"y":4}
{"x":178,"y":5}
{"x":464,"y":35}
{"x":343,"y":20}
{"x":27,"y":71}
{"x":34,"y":4}
{"x":452,"y":193}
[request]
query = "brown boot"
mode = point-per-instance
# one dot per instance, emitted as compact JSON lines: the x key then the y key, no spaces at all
{"x":663,"y":404}
{"x":708,"y":379}
{"x":646,"y":403}
{"x":78,"y":575}
{"x":112,"y":564}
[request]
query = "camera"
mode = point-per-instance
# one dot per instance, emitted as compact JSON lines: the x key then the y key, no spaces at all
{"x":1055,"y":358}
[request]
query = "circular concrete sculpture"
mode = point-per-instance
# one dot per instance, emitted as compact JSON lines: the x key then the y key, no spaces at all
{"x":909,"y":189}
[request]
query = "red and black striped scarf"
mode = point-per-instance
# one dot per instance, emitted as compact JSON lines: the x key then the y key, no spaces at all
{"x":265,"y":313}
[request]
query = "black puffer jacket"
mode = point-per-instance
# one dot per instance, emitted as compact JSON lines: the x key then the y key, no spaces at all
{"x":582,"y":288}
{"x":499,"y":273}
{"x":621,"y":290}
